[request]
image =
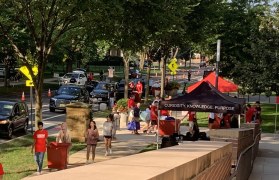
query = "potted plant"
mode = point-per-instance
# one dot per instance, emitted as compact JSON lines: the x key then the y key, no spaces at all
{"x":121,"y":106}
{"x":172,"y":87}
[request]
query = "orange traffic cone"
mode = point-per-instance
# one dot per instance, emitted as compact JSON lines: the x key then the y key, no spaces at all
{"x":49,"y":93}
{"x":23,"y":96}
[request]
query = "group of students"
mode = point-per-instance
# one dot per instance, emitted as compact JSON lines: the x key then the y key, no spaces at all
{"x":150,"y":115}
{"x":91,"y":135}
{"x":226,"y":120}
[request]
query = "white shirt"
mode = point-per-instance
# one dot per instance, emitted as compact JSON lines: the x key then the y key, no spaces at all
{"x":110,"y":72}
{"x":211,"y":115}
{"x":107,"y":128}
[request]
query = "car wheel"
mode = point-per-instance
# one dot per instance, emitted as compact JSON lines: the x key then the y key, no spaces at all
{"x":10,"y":132}
{"x":52,"y":109}
{"x":25,"y":127}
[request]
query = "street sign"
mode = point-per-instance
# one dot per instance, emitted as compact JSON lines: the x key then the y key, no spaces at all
{"x":29,"y":83}
{"x":26,"y":72}
{"x":173,"y":66}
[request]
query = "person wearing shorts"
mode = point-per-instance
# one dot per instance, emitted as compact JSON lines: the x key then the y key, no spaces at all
{"x":154,"y":115}
{"x":211,"y":119}
{"x":92,"y":136}
{"x":107,"y":133}
{"x":191,"y":119}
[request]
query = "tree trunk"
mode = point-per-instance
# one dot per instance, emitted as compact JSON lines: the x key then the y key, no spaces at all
{"x":38,"y":86}
{"x":69,"y":65}
{"x":147,"y":83}
{"x":163,"y":76}
{"x":142,"y":58}
{"x":126,"y":72}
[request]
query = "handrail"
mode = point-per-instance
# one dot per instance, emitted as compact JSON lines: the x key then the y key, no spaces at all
{"x":240,"y":156}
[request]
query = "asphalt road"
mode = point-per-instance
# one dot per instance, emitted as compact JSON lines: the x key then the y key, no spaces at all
{"x":49,"y":119}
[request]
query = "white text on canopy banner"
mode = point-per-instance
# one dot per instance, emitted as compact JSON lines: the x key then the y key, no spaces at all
{"x":199,"y":106}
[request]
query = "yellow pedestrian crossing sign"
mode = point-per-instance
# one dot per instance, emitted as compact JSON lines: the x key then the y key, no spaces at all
{"x":29,"y":83}
{"x":26,"y":72}
{"x":173,"y":66}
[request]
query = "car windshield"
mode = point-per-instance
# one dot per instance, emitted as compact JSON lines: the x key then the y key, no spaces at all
{"x":102,"y":86}
{"x":70,"y":75}
{"x":74,"y":91}
{"x":5,"y":109}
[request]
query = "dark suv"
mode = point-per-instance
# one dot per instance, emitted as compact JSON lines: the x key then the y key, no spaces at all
{"x":13,"y":116}
{"x":102,"y":91}
{"x":67,"y":94}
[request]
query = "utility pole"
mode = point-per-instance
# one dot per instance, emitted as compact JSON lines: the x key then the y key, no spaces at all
{"x":217,"y":62}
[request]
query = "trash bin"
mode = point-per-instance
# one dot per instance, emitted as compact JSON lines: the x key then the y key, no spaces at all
{"x":57,"y":155}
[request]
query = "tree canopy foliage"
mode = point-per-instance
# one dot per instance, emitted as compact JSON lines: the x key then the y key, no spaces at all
{"x":40,"y":31}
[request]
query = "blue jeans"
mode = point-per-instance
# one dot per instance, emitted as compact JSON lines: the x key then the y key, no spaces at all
{"x":39,"y":159}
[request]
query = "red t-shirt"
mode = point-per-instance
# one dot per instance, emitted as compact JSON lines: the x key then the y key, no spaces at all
{"x":1,"y":169}
{"x":192,"y":116}
{"x":249,"y":114}
{"x":153,"y":113}
{"x":131,"y":103}
{"x":40,"y":137}
{"x":139,"y":87}
{"x":164,"y":112}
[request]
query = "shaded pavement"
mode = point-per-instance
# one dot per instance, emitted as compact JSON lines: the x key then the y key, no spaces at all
{"x":266,"y":164}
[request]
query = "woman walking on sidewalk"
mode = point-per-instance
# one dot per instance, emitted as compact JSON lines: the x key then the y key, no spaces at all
{"x":107,"y":133}
{"x":92,"y":136}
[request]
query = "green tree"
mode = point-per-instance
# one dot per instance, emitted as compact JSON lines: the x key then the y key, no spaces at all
{"x":42,"y":24}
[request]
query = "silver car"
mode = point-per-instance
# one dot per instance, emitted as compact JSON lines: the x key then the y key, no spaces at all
{"x":73,"y":78}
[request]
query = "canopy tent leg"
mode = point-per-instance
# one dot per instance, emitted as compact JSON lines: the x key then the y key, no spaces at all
{"x":158,"y":124}
{"x":275,"y":123}
{"x":239,"y":121}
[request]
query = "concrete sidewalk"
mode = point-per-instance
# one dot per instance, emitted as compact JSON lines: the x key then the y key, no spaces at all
{"x":266,"y":164}
{"x":125,"y":144}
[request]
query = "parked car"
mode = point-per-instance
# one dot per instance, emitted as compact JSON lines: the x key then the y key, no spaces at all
{"x":121,"y":89}
{"x":67,"y":94}
{"x":14,"y":116}
{"x":134,"y":73}
{"x":77,"y":78}
{"x":102,"y":90}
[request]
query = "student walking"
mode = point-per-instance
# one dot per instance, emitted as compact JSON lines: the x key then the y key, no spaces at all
{"x":91,"y":136}
{"x":64,"y":137}
{"x":107,"y":133}
{"x":137,"y":118}
{"x":40,"y":144}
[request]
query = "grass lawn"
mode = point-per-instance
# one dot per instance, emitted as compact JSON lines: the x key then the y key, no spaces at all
{"x":17,"y":160}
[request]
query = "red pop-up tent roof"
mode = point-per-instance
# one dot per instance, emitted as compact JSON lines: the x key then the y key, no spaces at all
{"x":223,"y":85}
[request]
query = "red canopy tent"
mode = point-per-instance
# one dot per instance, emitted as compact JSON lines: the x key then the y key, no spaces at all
{"x":223,"y":85}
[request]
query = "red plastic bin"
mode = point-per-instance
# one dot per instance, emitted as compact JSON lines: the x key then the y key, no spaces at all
{"x":167,"y":127}
{"x":57,"y":155}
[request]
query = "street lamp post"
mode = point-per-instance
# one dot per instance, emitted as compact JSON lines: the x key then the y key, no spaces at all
{"x":217,"y":62}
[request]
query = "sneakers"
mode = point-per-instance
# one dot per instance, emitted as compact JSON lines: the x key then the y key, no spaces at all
{"x":87,"y":162}
{"x":106,"y":154}
{"x":110,"y":151}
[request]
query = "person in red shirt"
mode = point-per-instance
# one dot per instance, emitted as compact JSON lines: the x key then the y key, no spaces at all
{"x":154,"y":115}
{"x":249,"y":113}
{"x":131,"y":104}
{"x":139,"y":89}
{"x":1,"y":171}
{"x":40,"y":144}
{"x":191,"y":119}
